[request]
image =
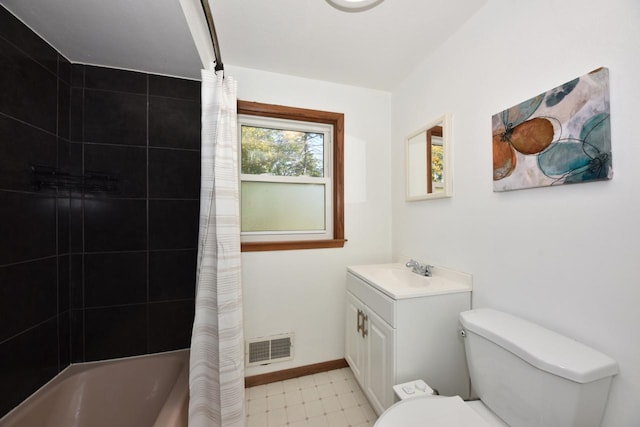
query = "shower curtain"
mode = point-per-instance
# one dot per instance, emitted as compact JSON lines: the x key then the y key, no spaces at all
{"x":216,"y":376}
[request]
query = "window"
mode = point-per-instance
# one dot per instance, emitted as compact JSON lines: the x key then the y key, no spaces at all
{"x":291,"y":177}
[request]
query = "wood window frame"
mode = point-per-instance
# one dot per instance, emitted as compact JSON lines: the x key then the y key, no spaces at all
{"x":316,"y":116}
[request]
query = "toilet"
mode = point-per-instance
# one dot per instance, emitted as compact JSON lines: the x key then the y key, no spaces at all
{"x":523,"y":374}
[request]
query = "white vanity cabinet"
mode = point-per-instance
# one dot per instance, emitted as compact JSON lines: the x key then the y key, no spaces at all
{"x":395,"y":337}
{"x":370,"y":347}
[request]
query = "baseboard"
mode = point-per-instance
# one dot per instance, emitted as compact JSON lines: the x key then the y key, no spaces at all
{"x":300,"y":371}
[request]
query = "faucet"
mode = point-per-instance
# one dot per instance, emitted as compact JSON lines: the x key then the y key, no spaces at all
{"x":418,"y":268}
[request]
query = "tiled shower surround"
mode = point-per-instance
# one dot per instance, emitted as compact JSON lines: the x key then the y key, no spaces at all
{"x":92,"y":274}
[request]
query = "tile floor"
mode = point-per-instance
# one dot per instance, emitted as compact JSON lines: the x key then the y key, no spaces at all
{"x":327,"y":399}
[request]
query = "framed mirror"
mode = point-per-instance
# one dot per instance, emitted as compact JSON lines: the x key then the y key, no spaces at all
{"x":429,"y":172}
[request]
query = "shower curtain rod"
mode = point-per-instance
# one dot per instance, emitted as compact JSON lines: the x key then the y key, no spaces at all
{"x":212,"y":32}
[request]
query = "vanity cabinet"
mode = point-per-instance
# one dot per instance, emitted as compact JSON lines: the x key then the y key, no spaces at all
{"x":369,"y":349}
{"x":390,"y":340}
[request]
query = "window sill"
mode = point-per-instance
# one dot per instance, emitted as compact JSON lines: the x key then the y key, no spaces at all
{"x":291,"y":245}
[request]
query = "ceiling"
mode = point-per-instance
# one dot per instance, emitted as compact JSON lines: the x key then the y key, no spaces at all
{"x":376,"y":48}
{"x":143,"y":35}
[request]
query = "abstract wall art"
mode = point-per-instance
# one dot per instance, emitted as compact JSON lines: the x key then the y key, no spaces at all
{"x":562,"y":136}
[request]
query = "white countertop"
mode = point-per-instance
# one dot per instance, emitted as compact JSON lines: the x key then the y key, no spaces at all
{"x":399,"y":282}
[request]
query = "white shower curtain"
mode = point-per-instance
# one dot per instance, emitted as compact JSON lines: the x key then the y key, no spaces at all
{"x":216,"y":377}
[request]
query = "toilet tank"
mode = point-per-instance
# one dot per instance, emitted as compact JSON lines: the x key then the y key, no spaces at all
{"x":531,"y":376}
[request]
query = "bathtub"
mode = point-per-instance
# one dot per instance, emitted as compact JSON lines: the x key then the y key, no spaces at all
{"x":142,"y":391}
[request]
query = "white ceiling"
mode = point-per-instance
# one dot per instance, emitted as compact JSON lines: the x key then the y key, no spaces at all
{"x":308,"y":38}
{"x":143,"y":35}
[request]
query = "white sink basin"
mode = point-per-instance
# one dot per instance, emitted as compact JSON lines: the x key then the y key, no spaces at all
{"x":398,"y":281}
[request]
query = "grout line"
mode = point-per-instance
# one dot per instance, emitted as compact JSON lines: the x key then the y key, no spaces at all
{"x":154,"y":147}
{"x":147,"y":220}
{"x":82,"y":225}
{"x":11,"y":264}
{"x":31,"y":125}
{"x":27,"y":55}
{"x":57,"y":214}
{"x":24,"y":331}
{"x":126,"y":92}
{"x":133,"y":304}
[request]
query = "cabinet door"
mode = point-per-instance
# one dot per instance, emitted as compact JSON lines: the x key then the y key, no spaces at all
{"x":354,"y":341}
{"x":380,"y":368}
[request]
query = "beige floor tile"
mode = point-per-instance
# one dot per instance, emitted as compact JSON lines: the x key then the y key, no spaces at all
{"x":257,"y":391}
{"x":291,"y":385}
{"x":330,"y":404}
{"x":293,"y":397}
{"x":296,"y":413}
{"x":341,"y":387}
{"x":314,"y":409}
{"x":325,"y":390}
{"x":275,"y":388}
{"x":255,"y":406}
{"x":275,"y":402}
{"x":355,"y":415}
{"x":310,"y":394}
{"x":306,"y":382}
{"x":257,"y":420}
{"x":321,"y":378}
{"x":277,"y":417}
{"x":337,"y":419}
{"x":347,"y":400}
{"x":337,"y":375}
{"x":328,"y":399}
{"x":320,"y":421}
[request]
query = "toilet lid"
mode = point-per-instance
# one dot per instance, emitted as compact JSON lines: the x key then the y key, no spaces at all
{"x":436,"y":411}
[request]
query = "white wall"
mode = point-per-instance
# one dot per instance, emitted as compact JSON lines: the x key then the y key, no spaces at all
{"x":565,"y":257}
{"x":304,"y":291}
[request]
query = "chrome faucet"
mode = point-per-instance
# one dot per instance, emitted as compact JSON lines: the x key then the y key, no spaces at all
{"x":418,"y":268}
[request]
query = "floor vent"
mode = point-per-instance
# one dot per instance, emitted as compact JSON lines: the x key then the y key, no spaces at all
{"x":265,"y":350}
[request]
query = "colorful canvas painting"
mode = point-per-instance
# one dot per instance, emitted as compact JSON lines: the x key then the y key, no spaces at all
{"x":561,"y":136}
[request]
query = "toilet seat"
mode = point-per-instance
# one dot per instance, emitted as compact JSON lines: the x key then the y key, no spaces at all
{"x":436,"y":411}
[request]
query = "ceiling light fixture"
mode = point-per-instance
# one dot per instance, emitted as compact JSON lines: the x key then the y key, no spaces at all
{"x":354,"y":5}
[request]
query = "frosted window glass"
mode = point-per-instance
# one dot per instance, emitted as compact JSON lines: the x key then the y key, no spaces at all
{"x":274,"y":206}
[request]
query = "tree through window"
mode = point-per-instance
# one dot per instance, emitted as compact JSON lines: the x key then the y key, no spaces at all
{"x":291,"y":177}
{"x":281,"y":152}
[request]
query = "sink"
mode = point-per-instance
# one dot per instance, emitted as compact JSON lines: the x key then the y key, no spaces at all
{"x":396,"y":275}
{"x":398,"y":282}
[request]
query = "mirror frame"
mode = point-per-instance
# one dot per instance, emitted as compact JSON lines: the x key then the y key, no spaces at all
{"x":447,"y":161}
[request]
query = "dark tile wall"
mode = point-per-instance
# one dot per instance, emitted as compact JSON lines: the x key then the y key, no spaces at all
{"x":133,"y":250}
{"x":34,"y":256}
{"x":90,"y":275}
